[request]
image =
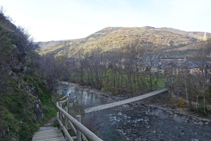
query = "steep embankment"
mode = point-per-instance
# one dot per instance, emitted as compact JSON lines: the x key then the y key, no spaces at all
{"x":118,"y":38}
{"x":24,"y":101}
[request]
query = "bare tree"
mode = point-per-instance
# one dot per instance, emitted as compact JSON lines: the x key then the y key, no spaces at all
{"x":150,"y":62}
{"x":202,"y":62}
{"x":54,"y":69}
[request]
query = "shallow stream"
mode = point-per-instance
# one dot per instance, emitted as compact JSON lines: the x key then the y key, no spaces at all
{"x":137,"y":122}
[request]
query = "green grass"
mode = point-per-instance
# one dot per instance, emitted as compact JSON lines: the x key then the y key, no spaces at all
{"x":17,"y":111}
{"x":141,"y":83}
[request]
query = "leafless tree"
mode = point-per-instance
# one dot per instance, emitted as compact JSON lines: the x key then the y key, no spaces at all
{"x":202,"y":62}
{"x":54,"y":70}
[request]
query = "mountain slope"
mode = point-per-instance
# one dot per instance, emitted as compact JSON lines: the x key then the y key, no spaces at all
{"x":117,"y":38}
{"x":197,"y":35}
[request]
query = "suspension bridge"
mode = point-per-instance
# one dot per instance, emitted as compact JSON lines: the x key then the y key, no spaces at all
{"x":126,"y":101}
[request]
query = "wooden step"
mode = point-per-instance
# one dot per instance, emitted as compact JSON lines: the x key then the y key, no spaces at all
{"x":48,"y":135}
{"x":51,"y":139}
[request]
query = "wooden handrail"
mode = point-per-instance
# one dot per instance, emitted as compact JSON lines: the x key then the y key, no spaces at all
{"x":63,"y":128}
{"x":63,"y":97}
{"x":74,"y":130}
{"x":91,"y":136}
{"x":63,"y":101}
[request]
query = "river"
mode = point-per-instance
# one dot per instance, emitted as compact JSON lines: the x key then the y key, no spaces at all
{"x":137,"y":122}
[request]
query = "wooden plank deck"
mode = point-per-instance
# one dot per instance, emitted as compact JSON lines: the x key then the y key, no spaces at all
{"x":53,"y":134}
{"x":126,"y":101}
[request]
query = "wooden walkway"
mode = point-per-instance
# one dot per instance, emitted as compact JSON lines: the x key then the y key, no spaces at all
{"x":126,"y":101}
{"x":52,"y":134}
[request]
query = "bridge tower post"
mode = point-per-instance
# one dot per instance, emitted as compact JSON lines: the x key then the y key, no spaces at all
{"x":170,"y":86}
{"x":166,"y":85}
{"x":205,"y":37}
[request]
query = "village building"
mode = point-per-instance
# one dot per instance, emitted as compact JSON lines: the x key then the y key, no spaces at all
{"x":174,"y":59}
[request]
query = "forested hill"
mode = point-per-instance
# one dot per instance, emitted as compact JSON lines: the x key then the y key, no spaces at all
{"x":197,"y":35}
{"x":117,"y":38}
{"x":25,"y":103}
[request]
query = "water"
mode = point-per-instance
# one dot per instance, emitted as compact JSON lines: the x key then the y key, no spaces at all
{"x":84,"y":97}
{"x":137,"y":122}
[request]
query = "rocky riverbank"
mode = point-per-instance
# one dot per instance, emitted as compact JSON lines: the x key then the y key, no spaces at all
{"x":149,"y":108}
{"x":140,"y":120}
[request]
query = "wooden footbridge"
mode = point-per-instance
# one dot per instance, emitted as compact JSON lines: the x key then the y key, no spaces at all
{"x":126,"y":101}
{"x":66,"y":121}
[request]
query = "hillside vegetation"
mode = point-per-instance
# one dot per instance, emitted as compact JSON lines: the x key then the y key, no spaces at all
{"x":197,"y":35}
{"x":189,"y":50}
{"x":25,"y":102}
{"x":117,"y":38}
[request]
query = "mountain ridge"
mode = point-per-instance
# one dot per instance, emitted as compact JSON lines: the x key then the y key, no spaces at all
{"x":118,"y":37}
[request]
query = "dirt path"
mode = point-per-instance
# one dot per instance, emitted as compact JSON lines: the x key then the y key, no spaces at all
{"x":48,"y":125}
{"x":48,"y":133}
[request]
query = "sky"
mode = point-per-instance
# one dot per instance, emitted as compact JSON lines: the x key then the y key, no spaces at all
{"x":47,"y":20}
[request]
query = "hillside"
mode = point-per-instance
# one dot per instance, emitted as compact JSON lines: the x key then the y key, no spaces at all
{"x":197,"y":35}
{"x":25,"y":102}
{"x":116,"y":38}
{"x":188,"y":50}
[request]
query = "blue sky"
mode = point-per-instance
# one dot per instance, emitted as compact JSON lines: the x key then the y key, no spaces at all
{"x":48,"y":20}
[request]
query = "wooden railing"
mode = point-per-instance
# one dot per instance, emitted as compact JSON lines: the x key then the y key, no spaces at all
{"x":65,"y":121}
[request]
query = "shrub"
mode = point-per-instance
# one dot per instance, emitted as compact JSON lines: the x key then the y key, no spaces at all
{"x":181,"y":104}
{"x":200,"y":109}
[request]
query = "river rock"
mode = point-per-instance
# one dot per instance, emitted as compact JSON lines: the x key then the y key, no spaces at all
{"x":200,"y":123}
{"x":206,"y":123}
{"x":194,"y":139}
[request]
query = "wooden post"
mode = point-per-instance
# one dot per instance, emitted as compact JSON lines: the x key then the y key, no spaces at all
{"x":78,"y":131}
{"x":68,"y":104}
{"x":66,"y":124}
{"x":64,"y":129}
{"x":75,"y":131}
{"x":67,"y":110}
{"x":60,"y":114}
{"x":91,"y":136}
